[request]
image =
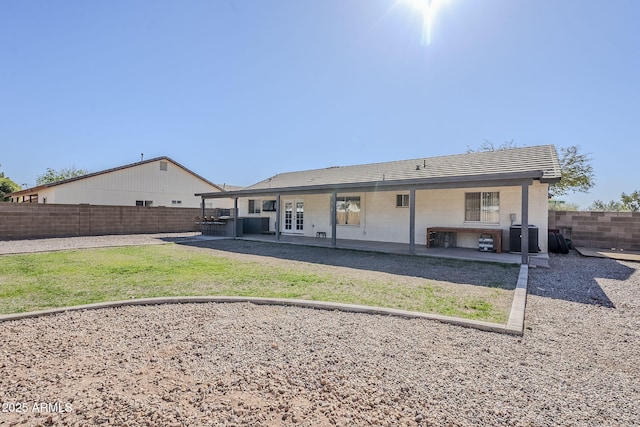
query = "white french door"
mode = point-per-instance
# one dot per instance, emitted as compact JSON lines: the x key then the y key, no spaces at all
{"x":293,"y":216}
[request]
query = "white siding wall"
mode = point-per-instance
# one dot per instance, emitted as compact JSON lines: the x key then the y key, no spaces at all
{"x":143,"y":182}
{"x":381,"y":220}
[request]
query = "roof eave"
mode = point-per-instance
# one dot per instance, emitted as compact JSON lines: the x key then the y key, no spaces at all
{"x":29,"y":190}
{"x":512,"y":178}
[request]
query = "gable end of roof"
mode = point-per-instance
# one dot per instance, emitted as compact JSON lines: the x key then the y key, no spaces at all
{"x":118,"y":168}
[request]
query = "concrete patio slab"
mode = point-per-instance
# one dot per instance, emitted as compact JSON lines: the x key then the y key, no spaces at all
{"x":537,"y":260}
{"x":618,"y":254}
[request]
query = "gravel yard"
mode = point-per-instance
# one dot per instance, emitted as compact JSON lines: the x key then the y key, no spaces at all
{"x":240,"y":364}
{"x":84,"y":242}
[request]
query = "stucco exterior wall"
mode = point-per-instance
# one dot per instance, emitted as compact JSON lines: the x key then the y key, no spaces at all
{"x":173,"y":187}
{"x":445,"y":208}
{"x":381,"y":220}
{"x":316,"y":212}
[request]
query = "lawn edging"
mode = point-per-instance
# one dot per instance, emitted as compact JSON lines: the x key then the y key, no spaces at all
{"x":515,"y":324}
{"x":511,"y":327}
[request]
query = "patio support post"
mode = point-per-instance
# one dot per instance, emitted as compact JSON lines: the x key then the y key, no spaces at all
{"x":278,"y":217}
{"x":235,"y":217}
{"x":202,"y":209}
{"x":412,"y":221}
{"x":524,"y":243}
{"x":334,"y":219}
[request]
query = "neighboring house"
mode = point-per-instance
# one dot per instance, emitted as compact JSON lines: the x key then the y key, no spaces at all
{"x":160,"y":181}
{"x":397,"y":201}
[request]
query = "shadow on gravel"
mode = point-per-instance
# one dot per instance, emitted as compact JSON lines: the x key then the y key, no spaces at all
{"x":574,"y":278}
{"x":476,"y":273}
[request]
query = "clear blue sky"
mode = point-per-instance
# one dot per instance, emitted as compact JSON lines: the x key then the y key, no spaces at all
{"x":239,"y":90}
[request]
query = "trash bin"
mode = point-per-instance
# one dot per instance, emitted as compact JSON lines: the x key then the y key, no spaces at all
{"x":515,"y":238}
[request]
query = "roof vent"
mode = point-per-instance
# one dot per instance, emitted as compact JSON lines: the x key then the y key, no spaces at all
{"x":417,"y":167}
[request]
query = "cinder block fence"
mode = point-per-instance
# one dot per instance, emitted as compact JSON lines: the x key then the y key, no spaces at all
{"x":34,"y":220}
{"x":620,"y":230}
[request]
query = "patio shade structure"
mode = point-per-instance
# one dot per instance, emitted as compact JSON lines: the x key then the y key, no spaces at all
{"x":507,"y":168}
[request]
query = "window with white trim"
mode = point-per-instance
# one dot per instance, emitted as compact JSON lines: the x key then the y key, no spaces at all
{"x":268,"y":206}
{"x":254,"y":206}
{"x":482,"y":206}
{"x":348,"y":210}
{"x":402,"y":200}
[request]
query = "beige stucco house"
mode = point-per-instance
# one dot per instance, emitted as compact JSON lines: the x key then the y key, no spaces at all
{"x":398,"y":201}
{"x":160,"y":181}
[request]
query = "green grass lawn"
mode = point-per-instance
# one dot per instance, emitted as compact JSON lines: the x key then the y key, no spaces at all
{"x":57,"y":279}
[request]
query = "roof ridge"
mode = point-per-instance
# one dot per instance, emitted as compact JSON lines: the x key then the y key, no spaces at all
{"x":117,"y":168}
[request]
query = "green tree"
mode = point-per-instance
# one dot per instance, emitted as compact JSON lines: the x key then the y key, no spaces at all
{"x":631,"y":201}
{"x":612,"y":206}
{"x":7,"y":186}
{"x":627,"y":203}
{"x":555,"y":205}
{"x":488,"y":146}
{"x":577,"y":170}
{"x":52,"y":175}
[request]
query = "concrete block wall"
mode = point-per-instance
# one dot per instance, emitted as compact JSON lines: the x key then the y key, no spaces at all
{"x":35,"y":220}
{"x":620,"y":230}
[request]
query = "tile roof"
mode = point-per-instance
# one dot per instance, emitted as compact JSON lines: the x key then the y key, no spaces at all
{"x":526,"y":159}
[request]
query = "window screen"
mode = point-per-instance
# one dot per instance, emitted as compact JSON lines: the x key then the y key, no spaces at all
{"x":482,"y":207}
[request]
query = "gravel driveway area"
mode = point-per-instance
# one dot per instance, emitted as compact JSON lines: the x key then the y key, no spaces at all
{"x":85,"y":242}
{"x":578,"y":363}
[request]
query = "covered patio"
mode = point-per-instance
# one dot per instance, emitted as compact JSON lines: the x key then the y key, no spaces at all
{"x":522,"y":180}
{"x":467,"y":254}
{"x":392,"y":206}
